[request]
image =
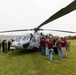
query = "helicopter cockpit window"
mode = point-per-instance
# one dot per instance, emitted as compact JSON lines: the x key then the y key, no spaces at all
{"x":18,"y":39}
{"x":26,"y":37}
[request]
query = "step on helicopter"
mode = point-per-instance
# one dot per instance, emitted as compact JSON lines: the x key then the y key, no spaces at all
{"x":25,"y":42}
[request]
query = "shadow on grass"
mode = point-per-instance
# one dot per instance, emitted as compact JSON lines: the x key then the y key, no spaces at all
{"x":21,"y":52}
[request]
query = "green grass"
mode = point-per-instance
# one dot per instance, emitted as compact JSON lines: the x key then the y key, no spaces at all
{"x":33,"y":63}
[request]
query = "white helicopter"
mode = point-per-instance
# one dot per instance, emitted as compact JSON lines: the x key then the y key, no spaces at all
{"x":25,"y":42}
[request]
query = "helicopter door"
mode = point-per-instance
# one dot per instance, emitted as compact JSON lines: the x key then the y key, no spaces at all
{"x":33,"y":42}
{"x":26,"y":40}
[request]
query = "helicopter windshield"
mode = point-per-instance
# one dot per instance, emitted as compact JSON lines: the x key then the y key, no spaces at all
{"x":26,"y":38}
{"x":18,"y":39}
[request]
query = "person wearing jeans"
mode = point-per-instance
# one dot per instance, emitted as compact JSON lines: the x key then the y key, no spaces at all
{"x":60,"y":53}
{"x":50,"y":48}
{"x":59,"y":48}
{"x":46,"y":47}
{"x":42,"y":46}
{"x":50,"y":54}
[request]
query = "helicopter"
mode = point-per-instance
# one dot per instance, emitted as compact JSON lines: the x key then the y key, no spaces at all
{"x":25,"y":42}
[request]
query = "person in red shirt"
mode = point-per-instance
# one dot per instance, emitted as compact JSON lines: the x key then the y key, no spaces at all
{"x":42,"y":46}
{"x":46,"y":47}
{"x":59,"y":48}
{"x":50,"y":48}
{"x":64,"y":47}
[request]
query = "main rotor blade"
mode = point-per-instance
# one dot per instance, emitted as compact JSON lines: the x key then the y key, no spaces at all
{"x":71,"y":7}
{"x":57,"y":30}
{"x":16,"y":30}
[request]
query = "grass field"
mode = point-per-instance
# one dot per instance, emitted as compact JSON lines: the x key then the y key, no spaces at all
{"x":33,"y":63}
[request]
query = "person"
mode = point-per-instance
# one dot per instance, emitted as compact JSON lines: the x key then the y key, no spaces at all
{"x":41,"y":34}
{"x":64,"y":54}
{"x":46,"y":47}
{"x":9,"y":44}
{"x":42,"y":46}
{"x":50,"y":48}
{"x":31,"y":36}
{"x":4,"y":46}
{"x":0,"y":44}
{"x":59,"y":48}
{"x":68,"y":45}
{"x":55,"y":46}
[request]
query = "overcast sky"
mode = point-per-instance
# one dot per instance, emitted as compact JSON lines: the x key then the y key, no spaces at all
{"x":23,"y":14}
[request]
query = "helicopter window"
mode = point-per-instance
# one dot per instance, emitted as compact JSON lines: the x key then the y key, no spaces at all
{"x":18,"y":39}
{"x":26,"y":37}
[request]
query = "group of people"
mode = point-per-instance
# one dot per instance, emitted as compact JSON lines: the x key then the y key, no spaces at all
{"x":5,"y":45}
{"x":50,"y":46}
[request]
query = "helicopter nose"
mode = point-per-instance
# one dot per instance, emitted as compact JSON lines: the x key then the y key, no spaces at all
{"x":13,"y":44}
{"x":17,"y":45}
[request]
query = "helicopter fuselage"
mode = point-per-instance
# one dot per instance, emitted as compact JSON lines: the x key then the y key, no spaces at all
{"x":26,"y":43}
